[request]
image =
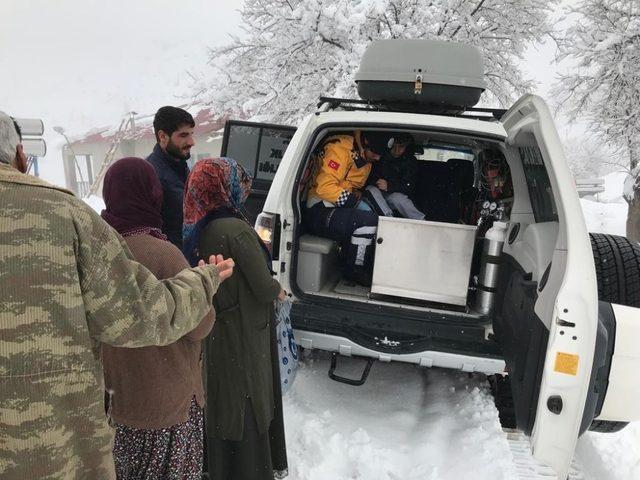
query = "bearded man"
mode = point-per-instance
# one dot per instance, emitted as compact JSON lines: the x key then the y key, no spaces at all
{"x":173,"y":128}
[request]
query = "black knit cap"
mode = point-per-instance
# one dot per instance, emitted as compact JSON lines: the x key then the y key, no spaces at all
{"x":377,"y":142}
{"x":402,"y":138}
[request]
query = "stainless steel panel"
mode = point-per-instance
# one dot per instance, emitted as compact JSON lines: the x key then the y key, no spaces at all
{"x":423,"y":260}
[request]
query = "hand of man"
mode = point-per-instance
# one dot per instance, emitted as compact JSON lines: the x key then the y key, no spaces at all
{"x":225,"y":267}
{"x":282,"y":295}
{"x":382,"y":184}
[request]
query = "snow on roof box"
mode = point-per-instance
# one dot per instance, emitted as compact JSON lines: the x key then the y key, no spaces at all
{"x":427,"y":72}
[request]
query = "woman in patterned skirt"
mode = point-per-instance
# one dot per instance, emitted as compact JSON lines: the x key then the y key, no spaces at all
{"x":155,"y":394}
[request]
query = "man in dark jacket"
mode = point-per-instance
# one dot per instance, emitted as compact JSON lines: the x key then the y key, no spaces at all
{"x":392,"y":179}
{"x":174,"y":133}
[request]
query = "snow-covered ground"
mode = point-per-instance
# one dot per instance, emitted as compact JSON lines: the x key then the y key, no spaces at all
{"x":405,"y":422}
{"x":607,"y":213}
{"x":412,"y":423}
{"x":95,"y":202}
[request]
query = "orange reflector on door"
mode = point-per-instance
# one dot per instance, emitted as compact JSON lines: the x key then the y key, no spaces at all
{"x":567,"y":363}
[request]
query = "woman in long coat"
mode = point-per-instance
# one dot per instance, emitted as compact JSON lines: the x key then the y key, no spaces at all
{"x":239,"y":373}
{"x":156,"y":395}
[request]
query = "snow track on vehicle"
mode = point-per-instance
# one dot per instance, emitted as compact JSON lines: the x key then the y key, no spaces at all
{"x":528,"y":468}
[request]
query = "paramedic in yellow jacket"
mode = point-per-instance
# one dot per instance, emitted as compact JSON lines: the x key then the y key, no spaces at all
{"x":334,"y":206}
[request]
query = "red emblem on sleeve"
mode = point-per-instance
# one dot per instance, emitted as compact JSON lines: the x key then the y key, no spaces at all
{"x":334,"y":165}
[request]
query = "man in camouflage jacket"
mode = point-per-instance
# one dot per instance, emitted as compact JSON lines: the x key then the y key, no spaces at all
{"x":67,"y":283}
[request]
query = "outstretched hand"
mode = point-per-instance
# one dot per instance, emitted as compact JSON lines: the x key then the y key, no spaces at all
{"x":225,"y":267}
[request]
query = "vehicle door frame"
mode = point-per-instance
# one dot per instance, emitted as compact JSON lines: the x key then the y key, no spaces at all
{"x":567,"y":305}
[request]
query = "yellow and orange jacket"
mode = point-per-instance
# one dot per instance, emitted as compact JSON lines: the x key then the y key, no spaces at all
{"x":338,"y":174}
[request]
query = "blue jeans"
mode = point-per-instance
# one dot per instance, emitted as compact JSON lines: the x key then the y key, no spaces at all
{"x":364,"y":206}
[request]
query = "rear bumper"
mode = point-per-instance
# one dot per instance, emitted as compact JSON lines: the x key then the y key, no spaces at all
{"x":428,"y":338}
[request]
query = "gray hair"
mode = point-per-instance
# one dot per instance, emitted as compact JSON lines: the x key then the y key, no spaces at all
{"x":9,"y":139}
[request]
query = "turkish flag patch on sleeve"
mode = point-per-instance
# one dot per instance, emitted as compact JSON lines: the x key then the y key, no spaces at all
{"x":334,"y":165}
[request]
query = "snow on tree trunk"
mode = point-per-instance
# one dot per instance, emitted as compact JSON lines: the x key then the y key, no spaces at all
{"x":633,"y":220}
{"x":632,"y":196}
{"x":295,"y":51}
{"x":632,"y":187}
{"x":603,"y":82}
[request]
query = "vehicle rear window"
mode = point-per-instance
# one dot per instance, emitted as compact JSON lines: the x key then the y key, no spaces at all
{"x":539,"y":185}
{"x":443,"y":154}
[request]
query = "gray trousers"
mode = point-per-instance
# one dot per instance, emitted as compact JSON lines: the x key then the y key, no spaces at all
{"x":396,"y":200}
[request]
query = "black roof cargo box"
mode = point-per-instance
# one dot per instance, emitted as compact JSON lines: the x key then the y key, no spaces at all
{"x":432,"y":73}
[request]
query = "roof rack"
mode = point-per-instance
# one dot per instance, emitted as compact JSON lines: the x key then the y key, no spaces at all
{"x":351,"y":104}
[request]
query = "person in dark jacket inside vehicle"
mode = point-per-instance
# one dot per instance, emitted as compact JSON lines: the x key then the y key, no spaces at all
{"x":392,"y":179}
{"x":173,"y":128}
{"x":245,"y":433}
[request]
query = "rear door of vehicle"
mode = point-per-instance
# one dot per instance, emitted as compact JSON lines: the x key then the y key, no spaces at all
{"x":258,"y":147}
{"x":548,"y":321}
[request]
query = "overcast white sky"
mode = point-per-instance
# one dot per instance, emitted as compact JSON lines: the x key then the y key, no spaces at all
{"x":83,"y":64}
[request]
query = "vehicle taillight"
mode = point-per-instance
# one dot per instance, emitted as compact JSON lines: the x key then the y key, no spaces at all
{"x":266,"y":226}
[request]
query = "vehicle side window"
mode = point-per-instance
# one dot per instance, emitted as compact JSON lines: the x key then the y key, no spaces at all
{"x":243,"y":143}
{"x":258,"y":147}
{"x":539,"y":185}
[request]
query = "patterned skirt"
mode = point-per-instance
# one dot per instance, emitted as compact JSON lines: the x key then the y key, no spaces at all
{"x":169,"y":453}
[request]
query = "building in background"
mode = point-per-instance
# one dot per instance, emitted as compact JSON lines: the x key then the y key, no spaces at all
{"x":85,"y":159}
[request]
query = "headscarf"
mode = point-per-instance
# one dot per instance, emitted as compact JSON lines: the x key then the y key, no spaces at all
{"x":133,"y":198}
{"x":215,"y":187}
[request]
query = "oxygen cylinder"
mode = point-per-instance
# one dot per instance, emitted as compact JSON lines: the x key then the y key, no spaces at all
{"x":489,"y":267}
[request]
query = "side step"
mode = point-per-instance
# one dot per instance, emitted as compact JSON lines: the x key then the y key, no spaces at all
{"x":350,"y":381}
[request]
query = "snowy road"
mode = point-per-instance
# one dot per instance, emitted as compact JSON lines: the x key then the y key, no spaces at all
{"x":411,"y":423}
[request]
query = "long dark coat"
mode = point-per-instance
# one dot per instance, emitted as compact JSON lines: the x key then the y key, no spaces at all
{"x":238,"y":356}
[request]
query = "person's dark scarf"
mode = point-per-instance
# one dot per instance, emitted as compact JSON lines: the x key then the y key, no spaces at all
{"x":133,"y":198}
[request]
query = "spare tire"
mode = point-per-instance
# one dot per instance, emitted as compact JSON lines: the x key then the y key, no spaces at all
{"x":617,"y":262}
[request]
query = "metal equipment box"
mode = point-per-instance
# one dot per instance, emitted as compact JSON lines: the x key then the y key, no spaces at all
{"x":423,"y":260}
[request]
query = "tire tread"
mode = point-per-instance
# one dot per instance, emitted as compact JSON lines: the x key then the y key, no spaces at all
{"x":617,"y":262}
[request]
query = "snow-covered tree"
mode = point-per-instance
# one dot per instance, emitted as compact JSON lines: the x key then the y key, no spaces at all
{"x":295,"y":51}
{"x":603,"y":83}
{"x":588,"y":157}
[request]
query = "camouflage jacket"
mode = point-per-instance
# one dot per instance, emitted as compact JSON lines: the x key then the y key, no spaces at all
{"x":67,"y":283}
